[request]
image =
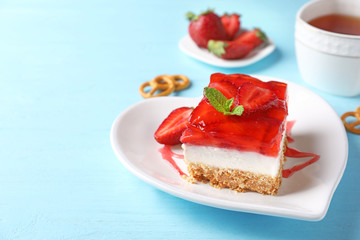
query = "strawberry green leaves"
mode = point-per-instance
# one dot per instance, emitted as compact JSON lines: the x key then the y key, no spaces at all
{"x":193,"y":17}
{"x":221,"y":103}
{"x":217,"y":47}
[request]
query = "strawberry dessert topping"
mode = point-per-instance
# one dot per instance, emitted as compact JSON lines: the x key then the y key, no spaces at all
{"x":278,"y":88}
{"x":254,"y":98}
{"x":171,"y":129}
{"x":253,"y":119}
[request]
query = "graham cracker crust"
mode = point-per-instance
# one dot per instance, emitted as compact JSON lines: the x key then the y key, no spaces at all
{"x":240,"y":181}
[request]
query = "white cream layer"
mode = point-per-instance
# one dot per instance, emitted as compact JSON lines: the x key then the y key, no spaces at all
{"x":234,"y":159}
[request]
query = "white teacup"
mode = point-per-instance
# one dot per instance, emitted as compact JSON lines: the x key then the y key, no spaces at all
{"x":328,"y":61}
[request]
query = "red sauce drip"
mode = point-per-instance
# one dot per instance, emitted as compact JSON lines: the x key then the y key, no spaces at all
{"x":292,"y":152}
{"x":289,"y":126}
{"x":169,"y":155}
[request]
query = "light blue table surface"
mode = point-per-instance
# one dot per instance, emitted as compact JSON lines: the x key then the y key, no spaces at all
{"x":68,"y":68}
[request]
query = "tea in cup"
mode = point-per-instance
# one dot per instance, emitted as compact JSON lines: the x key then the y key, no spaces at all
{"x":327,"y":42}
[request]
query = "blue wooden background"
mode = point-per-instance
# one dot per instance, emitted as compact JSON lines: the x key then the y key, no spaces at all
{"x":68,"y":68}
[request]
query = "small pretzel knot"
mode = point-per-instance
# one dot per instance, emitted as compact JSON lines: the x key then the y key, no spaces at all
{"x":352,"y":126}
{"x":181,"y":82}
{"x":164,"y":85}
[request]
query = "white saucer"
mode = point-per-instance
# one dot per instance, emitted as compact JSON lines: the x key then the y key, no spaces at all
{"x":188,"y":46}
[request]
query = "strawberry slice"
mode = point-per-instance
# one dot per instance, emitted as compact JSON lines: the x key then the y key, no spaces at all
{"x":231,"y":24}
{"x":278,"y":88}
{"x":171,"y":129}
{"x":254,"y":98}
{"x":236,"y":78}
{"x":227,"y":88}
{"x":205,"y":114}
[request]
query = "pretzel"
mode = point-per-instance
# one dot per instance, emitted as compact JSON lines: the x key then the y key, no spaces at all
{"x":181,"y":82}
{"x":155,"y":87}
{"x":165,"y":83}
{"x":352,"y":126}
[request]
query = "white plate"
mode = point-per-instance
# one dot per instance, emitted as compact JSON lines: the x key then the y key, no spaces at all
{"x":305,"y":195}
{"x":188,"y":46}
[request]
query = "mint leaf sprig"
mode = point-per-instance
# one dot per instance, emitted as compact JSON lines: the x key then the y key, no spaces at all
{"x":221,"y":103}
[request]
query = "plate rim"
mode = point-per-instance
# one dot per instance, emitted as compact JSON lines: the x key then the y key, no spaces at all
{"x":221,"y":203}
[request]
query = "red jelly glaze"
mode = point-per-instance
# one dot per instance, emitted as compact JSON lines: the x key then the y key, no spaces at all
{"x":238,"y":79}
{"x":259,"y":131}
{"x":168,"y":155}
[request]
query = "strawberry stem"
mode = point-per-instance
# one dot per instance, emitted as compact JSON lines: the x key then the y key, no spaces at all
{"x":207,"y":11}
{"x":260,"y":34}
{"x":217,"y":47}
{"x":191,"y":16}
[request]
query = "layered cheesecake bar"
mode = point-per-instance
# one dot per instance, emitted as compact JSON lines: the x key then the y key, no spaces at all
{"x":241,"y":147}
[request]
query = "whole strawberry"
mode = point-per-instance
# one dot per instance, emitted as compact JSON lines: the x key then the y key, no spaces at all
{"x":204,"y":27}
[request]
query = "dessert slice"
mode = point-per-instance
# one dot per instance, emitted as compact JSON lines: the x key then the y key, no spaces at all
{"x":238,"y":140}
